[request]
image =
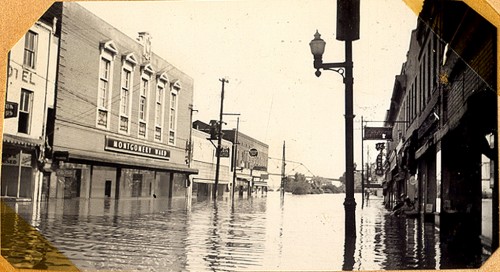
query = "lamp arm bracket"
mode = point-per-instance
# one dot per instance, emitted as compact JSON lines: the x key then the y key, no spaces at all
{"x":340,"y":71}
{"x":338,"y":67}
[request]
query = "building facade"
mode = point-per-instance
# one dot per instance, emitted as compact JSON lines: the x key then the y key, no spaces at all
{"x":204,"y":158}
{"x":444,"y":117}
{"x":29,"y":99}
{"x":121,"y":122}
{"x":251,"y":162}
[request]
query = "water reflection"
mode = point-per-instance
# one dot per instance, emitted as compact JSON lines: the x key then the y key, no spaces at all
{"x":254,"y":233}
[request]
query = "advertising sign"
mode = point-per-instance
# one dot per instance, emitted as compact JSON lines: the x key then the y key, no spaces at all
{"x":117,"y":145}
{"x":10,"y":110}
{"x":377,"y":133}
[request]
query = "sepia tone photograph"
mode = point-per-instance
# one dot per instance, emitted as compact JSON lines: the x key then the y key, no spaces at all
{"x":299,"y":135}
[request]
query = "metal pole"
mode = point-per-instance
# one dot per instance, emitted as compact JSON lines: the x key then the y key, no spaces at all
{"x":349,"y":203}
{"x":283,"y":175}
{"x":362,"y":167}
{"x":235,"y":157}
{"x":219,"y":140}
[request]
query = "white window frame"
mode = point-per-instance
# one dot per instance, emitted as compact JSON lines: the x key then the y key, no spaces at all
{"x":128,"y":66}
{"x":30,"y":50}
{"x":108,"y":53}
{"x":173,"y":107}
{"x":146,"y":76}
{"x":26,"y":107}
{"x":162,"y":84}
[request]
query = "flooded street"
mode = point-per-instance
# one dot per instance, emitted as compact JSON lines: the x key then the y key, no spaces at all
{"x":304,"y":233}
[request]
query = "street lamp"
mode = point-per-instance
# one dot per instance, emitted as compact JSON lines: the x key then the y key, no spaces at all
{"x":347,"y":30}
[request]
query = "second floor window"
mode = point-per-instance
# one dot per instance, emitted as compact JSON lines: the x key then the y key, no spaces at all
{"x":143,"y":106}
{"x":30,"y":46}
{"x":125,"y":100}
{"x":159,"y":112}
{"x":103,"y":93}
{"x":173,"y":116}
{"x":25,"y":107}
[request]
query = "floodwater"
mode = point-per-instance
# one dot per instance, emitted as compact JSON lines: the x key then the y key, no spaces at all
{"x":259,"y":233}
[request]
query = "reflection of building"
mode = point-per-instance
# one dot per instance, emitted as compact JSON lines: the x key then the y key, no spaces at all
{"x":205,"y":159}
{"x":444,"y":112}
{"x":251,"y":161}
{"x":30,"y":99}
{"x":121,"y":122}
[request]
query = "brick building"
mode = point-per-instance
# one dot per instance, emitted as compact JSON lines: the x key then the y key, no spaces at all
{"x":251,"y":162}
{"x":444,"y":116}
{"x":121,"y":122}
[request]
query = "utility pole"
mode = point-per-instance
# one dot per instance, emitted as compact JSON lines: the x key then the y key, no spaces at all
{"x":235,"y":158}
{"x":283,"y":175}
{"x":190,"y":143}
{"x":219,"y":139}
{"x":362,"y":167}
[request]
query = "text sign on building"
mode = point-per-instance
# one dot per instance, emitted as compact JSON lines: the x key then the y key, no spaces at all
{"x":121,"y":146}
{"x":377,"y":133}
{"x":10,"y":109}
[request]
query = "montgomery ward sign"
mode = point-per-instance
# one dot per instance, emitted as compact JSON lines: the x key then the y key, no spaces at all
{"x":117,"y":145}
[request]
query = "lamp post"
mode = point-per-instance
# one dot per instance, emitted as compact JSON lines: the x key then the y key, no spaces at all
{"x":347,"y":30}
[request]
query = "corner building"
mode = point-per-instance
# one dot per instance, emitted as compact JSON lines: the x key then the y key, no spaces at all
{"x":29,"y":100}
{"x":121,"y":122}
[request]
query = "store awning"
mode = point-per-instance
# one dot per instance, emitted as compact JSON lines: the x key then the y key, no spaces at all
{"x":21,"y":141}
{"x":209,"y":181}
{"x":122,"y":160}
{"x":260,"y":183}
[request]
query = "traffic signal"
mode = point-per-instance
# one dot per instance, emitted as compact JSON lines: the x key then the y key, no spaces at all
{"x":214,"y":129}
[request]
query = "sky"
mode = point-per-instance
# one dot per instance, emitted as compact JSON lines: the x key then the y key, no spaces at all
{"x":262,"y":48}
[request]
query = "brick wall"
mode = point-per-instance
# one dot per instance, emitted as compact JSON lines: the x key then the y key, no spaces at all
{"x":78,"y":78}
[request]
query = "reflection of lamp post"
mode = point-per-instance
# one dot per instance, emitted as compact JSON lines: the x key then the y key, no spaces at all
{"x":347,"y":30}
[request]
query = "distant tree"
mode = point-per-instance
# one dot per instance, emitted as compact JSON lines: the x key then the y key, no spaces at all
{"x":357,"y":181}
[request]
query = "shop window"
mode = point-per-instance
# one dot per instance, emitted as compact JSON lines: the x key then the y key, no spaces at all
{"x":136,"y":185}
{"x":30,"y":48}
{"x":25,"y":108}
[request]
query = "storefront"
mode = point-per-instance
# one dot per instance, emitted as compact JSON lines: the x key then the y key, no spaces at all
{"x":20,"y":172}
{"x":125,"y":169}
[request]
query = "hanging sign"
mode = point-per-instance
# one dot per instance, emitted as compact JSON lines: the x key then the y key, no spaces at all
{"x":10,"y":109}
{"x":377,"y":133}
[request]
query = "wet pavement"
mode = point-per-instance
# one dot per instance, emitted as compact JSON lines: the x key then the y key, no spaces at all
{"x":259,"y":233}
